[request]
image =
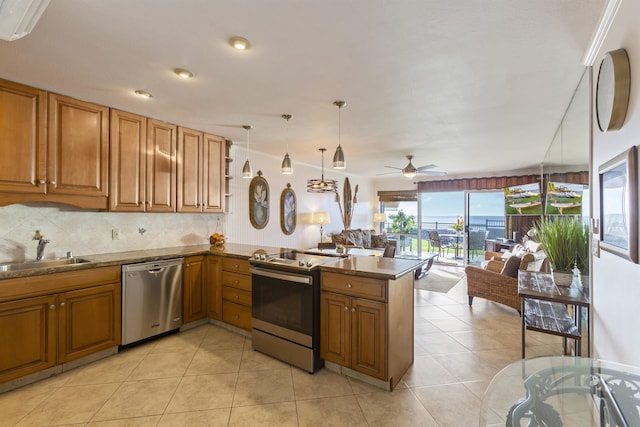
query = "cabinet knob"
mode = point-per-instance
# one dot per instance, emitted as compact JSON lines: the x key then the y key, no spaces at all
{"x":237,"y":316}
{"x":353,"y":310}
{"x":236,"y":281}
{"x":349,"y":285}
{"x":237,"y":297}
{"x":346,"y":308}
{"x":62,"y":304}
{"x":42,"y":181}
{"x":52,"y":182}
{"x":52,"y":306}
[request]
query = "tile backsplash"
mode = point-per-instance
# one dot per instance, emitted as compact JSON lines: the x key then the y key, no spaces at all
{"x":86,"y":233}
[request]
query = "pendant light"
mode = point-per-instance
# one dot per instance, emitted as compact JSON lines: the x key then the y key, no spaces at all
{"x":320,"y":185}
{"x":338,"y":157}
{"x":286,"y":168}
{"x":246,"y":169}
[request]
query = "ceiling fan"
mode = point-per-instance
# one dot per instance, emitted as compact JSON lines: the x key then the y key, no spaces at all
{"x":411,"y":171}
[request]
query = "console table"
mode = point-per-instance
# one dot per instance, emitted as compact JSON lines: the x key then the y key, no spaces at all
{"x":569,"y":391}
{"x":545,"y":309}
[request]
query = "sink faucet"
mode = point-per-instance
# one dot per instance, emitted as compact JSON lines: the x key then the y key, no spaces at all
{"x":40,"y":252}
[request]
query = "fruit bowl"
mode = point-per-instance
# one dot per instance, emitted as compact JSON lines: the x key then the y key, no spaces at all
{"x":216,"y":239}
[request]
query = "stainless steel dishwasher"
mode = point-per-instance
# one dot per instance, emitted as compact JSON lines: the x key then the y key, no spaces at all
{"x":151,"y":299}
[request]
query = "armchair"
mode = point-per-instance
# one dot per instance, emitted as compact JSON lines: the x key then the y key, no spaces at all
{"x":498,"y":281}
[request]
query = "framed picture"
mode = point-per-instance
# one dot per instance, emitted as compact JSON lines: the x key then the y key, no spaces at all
{"x":523,"y":199}
{"x":618,"y":205}
{"x":563,"y":198}
{"x":259,"y":201}
{"x":288,"y":210}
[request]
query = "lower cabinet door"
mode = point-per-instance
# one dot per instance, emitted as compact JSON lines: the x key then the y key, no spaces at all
{"x":369,"y":342}
{"x":89,"y":321}
{"x":236,"y":315}
{"x":194,"y":299}
{"x":27,"y":336}
{"x":335,"y":333}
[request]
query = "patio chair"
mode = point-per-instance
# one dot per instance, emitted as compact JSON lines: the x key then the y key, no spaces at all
{"x":476,"y":240}
{"x":434,"y":240}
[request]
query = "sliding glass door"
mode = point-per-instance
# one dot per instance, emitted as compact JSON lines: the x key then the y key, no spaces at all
{"x":484,"y":219}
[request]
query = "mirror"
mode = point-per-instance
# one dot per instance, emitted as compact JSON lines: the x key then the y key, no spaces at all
{"x":569,"y":149}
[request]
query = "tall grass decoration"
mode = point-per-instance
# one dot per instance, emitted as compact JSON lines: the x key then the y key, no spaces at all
{"x":565,"y":241}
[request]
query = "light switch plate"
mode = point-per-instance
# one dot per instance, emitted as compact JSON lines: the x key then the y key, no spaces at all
{"x":115,"y":234}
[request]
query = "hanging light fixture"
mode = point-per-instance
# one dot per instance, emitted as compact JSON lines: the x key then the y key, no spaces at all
{"x":246,"y":169}
{"x":320,"y":185}
{"x":409,"y":171}
{"x":287,"y":169}
{"x":338,"y":157}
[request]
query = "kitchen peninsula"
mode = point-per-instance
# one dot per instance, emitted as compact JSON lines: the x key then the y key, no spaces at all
{"x":375,"y":294}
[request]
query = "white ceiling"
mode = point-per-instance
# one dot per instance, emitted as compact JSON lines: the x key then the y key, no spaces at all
{"x":475,"y":87}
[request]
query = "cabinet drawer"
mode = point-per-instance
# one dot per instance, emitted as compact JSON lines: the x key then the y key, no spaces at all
{"x":236,"y":265}
{"x":236,"y":315}
{"x":375,"y":289}
{"x":235,"y":280}
{"x":236,"y":295}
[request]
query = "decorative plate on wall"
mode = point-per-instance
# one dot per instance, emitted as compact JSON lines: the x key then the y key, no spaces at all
{"x":259,"y":201}
{"x":612,"y":91}
{"x":288,"y":210}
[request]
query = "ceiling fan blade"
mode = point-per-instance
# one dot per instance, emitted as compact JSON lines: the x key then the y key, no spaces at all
{"x":393,"y":167}
{"x":425,"y":167}
{"x":431,"y":173}
{"x":386,"y":173}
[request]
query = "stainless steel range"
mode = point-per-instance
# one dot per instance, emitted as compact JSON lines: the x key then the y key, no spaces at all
{"x":286,"y":307}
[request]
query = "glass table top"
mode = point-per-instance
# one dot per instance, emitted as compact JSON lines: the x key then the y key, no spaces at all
{"x":563,"y":391}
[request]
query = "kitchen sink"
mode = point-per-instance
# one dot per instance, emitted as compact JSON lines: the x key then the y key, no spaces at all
{"x":45,"y":263}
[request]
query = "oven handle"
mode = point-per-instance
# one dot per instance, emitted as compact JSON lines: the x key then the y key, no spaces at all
{"x":298,"y":278}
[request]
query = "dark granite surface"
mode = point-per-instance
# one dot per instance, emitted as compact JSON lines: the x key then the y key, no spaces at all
{"x":235,"y":250}
{"x":373,"y":266}
{"x":367,"y":266}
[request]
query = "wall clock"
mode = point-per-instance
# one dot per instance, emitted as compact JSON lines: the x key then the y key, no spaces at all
{"x":612,"y":91}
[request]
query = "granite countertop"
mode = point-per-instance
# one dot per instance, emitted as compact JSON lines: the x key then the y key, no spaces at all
{"x":235,"y":250}
{"x":357,"y":265}
{"x":373,"y":266}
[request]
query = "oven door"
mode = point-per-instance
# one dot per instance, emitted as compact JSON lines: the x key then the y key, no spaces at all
{"x":283,"y":304}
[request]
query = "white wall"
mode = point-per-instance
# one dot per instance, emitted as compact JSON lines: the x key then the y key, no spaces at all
{"x":86,"y":233}
{"x":616,"y":282}
{"x":239,"y":228}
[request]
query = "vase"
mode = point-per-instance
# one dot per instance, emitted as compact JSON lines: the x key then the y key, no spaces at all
{"x":562,"y":278}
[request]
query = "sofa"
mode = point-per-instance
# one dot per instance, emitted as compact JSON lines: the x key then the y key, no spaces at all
{"x":497,"y":279}
{"x":358,"y":238}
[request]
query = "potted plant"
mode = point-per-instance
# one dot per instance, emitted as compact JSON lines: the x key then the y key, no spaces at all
{"x":565,"y":241}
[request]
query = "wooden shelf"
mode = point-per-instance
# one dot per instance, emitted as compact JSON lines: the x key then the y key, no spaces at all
{"x":551,"y":318}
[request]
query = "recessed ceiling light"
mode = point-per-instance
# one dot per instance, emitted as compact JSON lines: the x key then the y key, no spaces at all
{"x":184,"y":73}
{"x":239,"y":43}
{"x":143,"y":94}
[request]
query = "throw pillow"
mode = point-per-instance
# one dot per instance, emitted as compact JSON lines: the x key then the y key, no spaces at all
{"x":366,"y":238}
{"x":511,"y":266}
{"x":379,"y":240}
{"x":338,"y":239}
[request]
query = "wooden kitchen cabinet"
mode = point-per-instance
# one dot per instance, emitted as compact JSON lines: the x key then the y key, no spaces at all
{"x":194,"y":300}
{"x":353,"y":333}
{"x":28,"y":333}
{"x":56,"y":318}
{"x":366,"y":324}
{"x":236,"y":292}
{"x":23,"y":115}
{"x":77,"y":150}
{"x":54,"y":148}
{"x":88,"y":321}
{"x":213,"y":272}
{"x":142,"y":164}
{"x":201,"y":172}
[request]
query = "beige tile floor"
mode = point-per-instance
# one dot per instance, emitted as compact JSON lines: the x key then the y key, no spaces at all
{"x":209,"y":376}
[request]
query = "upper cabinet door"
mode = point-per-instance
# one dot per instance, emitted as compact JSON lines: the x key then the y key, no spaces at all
{"x":23,"y":114}
{"x":189,"y":170}
{"x":127,"y":148}
{"x":213,"y":173}
{"x":78,"y":147}
{"x":161,"y":166}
